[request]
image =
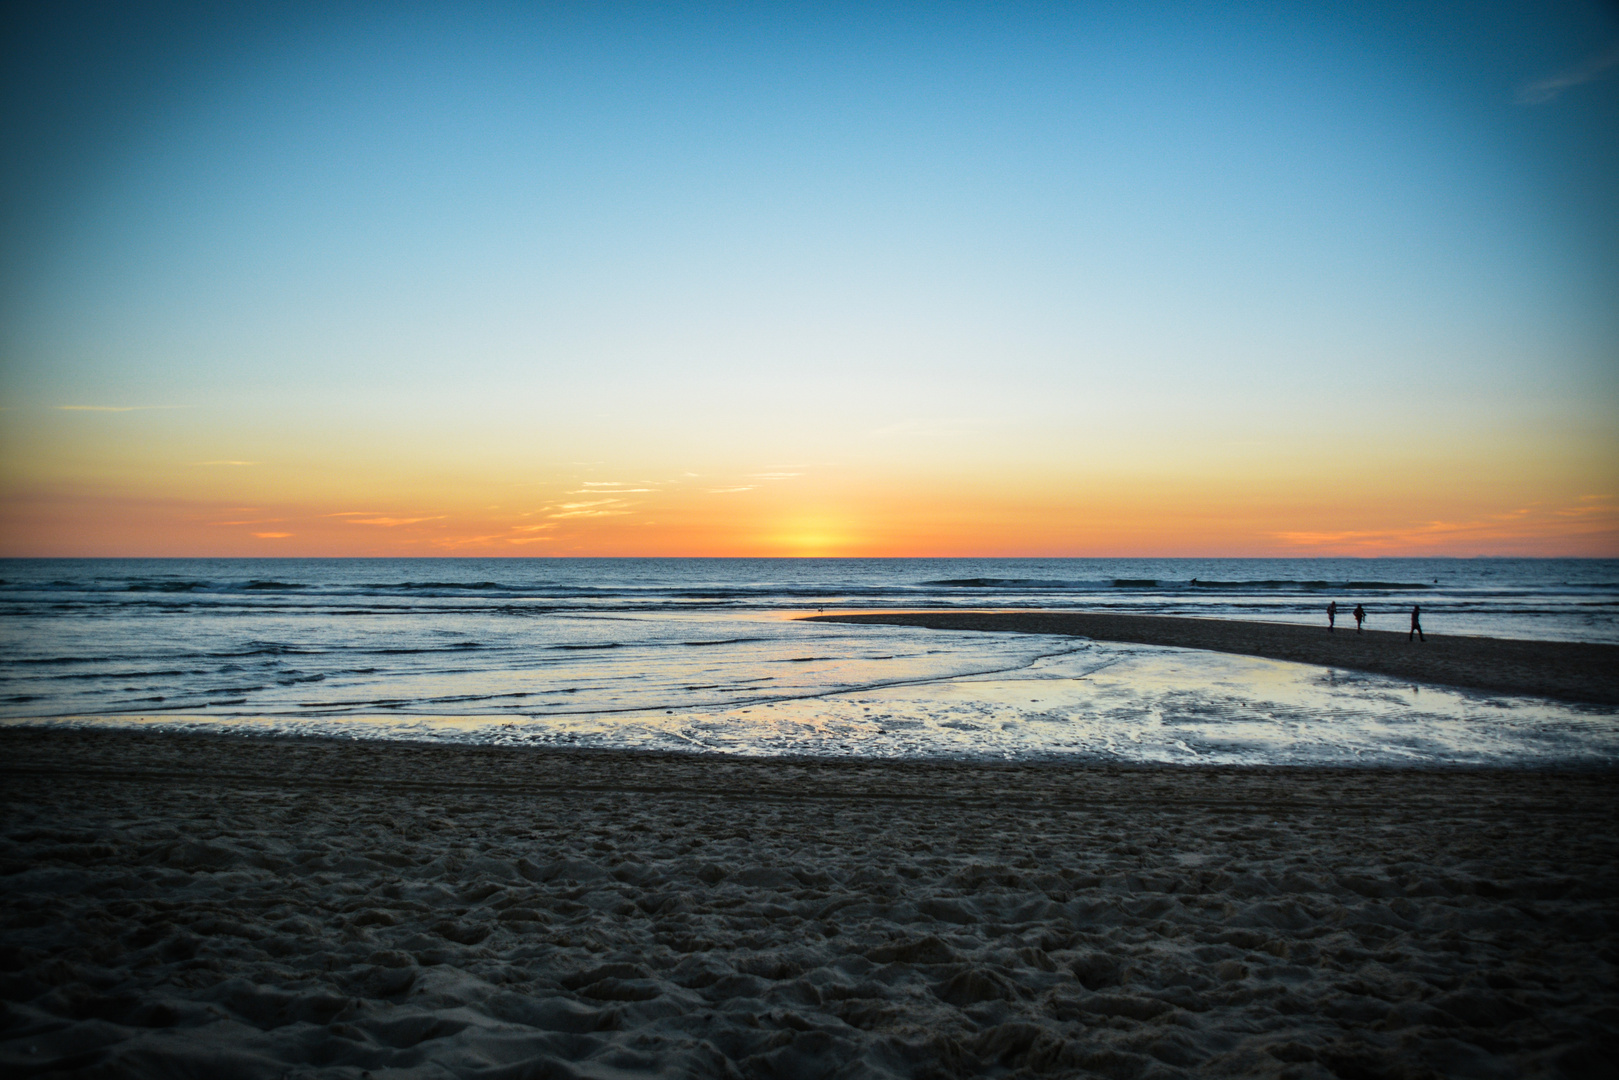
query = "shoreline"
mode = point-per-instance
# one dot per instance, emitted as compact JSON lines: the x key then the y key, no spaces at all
{"x":668,"y":758}
{"x":254,"y":906}
{"x":1568,"y":671}
{"x":154,"y":754}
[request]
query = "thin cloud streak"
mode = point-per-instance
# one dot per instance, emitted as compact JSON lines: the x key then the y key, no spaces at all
{"x":466,"y":541}
{"x":1597,"y":515}
{"x":1545,"y":90}
{"x":392,"y":521}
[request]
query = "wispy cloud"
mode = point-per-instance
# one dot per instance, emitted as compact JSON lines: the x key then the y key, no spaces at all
{"x":252,"y":521}
{"x":353,"y":513}
{"x":773,"y":475}
{"x":466,"y":541}
{"x":612,"y":491}
{"x":590,"y":513}
{"x":1597,"y":67}
{"x":1590,"y":506}
{"x":390,"y":521}
{"x":1592,"y":514}
{"x":729,"y":490}
{"x":272,"y":536}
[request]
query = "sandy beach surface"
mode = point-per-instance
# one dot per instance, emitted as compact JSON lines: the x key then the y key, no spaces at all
{"x":1570,"y":671}
{"x":215,"y":906}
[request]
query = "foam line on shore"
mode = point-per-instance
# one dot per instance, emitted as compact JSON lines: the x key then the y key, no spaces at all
{"x":1569,"y":671}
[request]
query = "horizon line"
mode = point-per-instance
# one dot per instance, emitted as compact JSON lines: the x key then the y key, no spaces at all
{"x":544,"y":557}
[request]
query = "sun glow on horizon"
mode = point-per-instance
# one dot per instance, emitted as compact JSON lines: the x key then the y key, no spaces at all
{"x":815,"y":539}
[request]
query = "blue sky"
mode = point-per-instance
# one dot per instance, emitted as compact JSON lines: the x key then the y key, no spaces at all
{"x":1254,"y":249}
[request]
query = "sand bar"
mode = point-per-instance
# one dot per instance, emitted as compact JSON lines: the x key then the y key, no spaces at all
{"x":209,"y":905}
{"x":1570,"y":671}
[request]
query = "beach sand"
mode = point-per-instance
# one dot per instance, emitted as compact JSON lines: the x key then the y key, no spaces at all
{"x":194,"y":905}
{"x":1571,"y":671}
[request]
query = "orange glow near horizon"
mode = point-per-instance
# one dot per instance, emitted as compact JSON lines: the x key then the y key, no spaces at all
{"x":809,"y":513}
{"x":1232,"y":479}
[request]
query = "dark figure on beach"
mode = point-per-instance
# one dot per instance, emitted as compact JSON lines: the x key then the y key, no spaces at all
{"x":1416,"y":623}
{"x":1360,"y":617}
{"x":1332,"y":614}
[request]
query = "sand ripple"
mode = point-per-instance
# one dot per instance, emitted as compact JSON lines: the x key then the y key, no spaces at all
{"x":210,"y":906}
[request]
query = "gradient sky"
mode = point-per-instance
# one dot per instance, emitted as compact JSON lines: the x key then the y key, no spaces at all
{"x":932,"y":279}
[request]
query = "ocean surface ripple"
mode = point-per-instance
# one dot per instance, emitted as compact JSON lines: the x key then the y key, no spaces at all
{"x":704,"y":654}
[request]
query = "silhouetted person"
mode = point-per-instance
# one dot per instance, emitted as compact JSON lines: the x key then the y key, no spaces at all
{"x":1360,"y":617}
{"x":1416,"y":623}
{"x":1332,"y":614}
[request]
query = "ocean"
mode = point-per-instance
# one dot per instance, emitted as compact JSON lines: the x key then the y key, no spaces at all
{"x":708,"y":655}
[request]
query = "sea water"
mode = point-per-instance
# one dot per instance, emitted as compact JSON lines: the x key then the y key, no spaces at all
{"x":711,"y":655}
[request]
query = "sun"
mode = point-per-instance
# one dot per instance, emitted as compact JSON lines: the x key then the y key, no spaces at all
{"x":812,"y":539}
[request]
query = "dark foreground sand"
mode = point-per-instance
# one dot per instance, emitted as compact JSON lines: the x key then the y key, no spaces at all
{"x":1571,"y":671}
{"x":206,"y":906}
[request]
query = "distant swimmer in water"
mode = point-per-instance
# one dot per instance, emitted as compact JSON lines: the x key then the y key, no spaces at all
{"x":1332,"y":614}
{"x":1360,"y":617}
{"x":1416,"y":623}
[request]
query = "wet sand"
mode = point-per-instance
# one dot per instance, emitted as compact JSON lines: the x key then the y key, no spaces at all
{"x":217,"y":906}
{"x":1569,"y":671}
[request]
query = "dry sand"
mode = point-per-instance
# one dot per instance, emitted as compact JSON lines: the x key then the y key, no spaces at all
{"x":216,"y":906}
{"x":1571,"y":671}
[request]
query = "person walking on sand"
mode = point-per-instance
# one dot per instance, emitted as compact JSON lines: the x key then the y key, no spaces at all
{"x":1416,"y":623}
{"x":1360,"y":617}
{"x":1332,"y":614}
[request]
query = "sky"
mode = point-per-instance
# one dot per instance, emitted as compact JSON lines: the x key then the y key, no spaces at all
{"x":765,"y":279}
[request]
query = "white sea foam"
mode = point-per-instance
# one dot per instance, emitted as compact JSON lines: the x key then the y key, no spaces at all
{"x":970,"y":696}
